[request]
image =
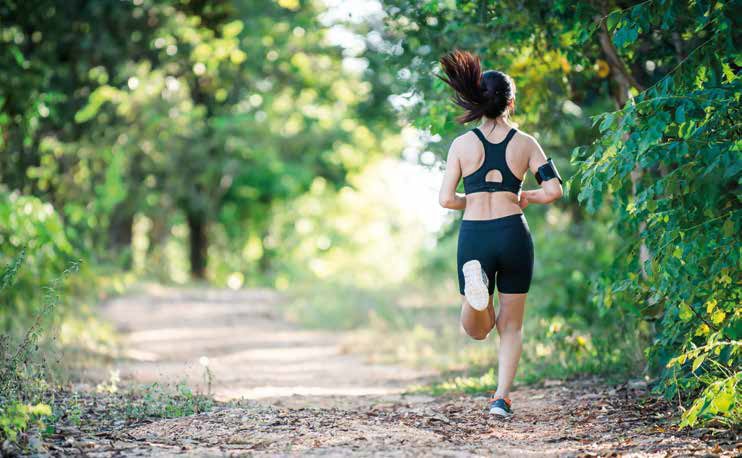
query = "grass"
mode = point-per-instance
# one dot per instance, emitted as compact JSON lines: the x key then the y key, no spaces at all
{"x":154,"y":401}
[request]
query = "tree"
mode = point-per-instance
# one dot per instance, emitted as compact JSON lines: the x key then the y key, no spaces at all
{"x":53,"y":58}
{"x":205,"y":111}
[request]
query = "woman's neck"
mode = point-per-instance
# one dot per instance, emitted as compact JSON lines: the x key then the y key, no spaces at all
{"x":491,"y":123}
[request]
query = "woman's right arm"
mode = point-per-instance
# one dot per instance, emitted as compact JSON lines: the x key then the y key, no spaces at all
{"x":551,"y":189}
{"x":447,"y":196}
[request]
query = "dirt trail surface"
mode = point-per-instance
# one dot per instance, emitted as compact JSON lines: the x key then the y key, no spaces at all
{"x":304,"y":394}
{"x":251,"y":351}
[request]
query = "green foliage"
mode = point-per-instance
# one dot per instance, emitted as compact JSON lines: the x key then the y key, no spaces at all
{"x":162,"y":114}
{"x":132,"y":132}
{"x":347,"y":236}
{"x":720,"y":398}
{"x":154,"y":400}
{"x":463,"y":384}
{"x":31,"y":233}
{"x":16,"y":417}
{"x":668,"y":165}
{"x":29,"y":398}
{"x":23,"y":387}
{"x":21,"y":375}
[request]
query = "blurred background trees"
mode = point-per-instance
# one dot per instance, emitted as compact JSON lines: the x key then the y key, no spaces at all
{"x":115,"y":111}
{"x":298,"y":144}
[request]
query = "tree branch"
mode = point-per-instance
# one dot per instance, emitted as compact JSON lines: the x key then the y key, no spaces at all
{"x":611,"y":54}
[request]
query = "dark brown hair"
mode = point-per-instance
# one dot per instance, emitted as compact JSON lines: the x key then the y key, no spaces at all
{"x":480,"y":94}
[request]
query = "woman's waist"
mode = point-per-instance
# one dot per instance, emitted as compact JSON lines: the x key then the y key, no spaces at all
{"x":488,"y":206}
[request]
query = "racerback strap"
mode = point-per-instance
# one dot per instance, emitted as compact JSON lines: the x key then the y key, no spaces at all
{"x":479,"y":134}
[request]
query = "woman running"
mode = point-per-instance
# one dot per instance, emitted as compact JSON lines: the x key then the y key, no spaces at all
{"x":494,"y":246}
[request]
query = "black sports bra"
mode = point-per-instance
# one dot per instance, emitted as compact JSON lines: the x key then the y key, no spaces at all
{"x":494,"y":159}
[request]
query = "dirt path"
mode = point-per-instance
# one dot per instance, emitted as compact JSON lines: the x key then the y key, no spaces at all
{"x":250,"y":350}
{"x":305,"y":395}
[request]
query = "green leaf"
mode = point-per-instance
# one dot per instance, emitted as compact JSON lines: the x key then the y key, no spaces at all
{"x":625,"y":35}
{"x":20,"y":60}
{"x":718,"y":316}
{"x":607,"y":121}
{"x":723,"y":401}
{"x":685,"y":313}
{"x":698,"y":361}
{"x":613,"y":19}
{"x":728,"y":72}
{"x":680,"y":114}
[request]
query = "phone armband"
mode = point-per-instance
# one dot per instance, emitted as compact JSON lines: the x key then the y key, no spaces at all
{"x":547,"y":172}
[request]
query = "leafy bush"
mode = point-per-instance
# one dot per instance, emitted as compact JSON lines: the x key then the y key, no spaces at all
{"x":33,"y":253}
{"x":32,"y":233}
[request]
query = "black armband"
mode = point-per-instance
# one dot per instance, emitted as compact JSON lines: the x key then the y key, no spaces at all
{"x":547,"y":172}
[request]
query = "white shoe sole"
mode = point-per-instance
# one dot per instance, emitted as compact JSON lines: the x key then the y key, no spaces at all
{"x":499,"y":412}
{"x":475,"y":290}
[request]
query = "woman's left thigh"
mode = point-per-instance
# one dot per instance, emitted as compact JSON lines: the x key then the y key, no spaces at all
{"x":511,"y":308}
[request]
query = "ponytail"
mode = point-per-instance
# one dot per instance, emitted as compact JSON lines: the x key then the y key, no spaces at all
{"x":464,"y":74}
{"x":479,"y":94}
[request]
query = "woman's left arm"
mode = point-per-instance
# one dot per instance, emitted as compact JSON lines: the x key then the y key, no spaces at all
{"x":551,"y":189}
{"x":447,"y":197}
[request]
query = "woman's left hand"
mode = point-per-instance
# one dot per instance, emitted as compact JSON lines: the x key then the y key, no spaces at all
{"x":523,"y":202}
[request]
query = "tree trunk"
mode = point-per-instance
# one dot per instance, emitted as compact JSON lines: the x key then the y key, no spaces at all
{"x":623,"y":80}
{"x":198,"y":244}
{"x":120,"y":234}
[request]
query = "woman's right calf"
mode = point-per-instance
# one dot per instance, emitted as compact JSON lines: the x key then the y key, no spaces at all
{"x":477,"y":323}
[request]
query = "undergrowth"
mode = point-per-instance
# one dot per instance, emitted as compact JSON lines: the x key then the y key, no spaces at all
{"x":25,"y":393}
{"x":34,"y":404}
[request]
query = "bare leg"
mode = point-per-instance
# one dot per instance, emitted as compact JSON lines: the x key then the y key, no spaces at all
{"x":509,"y":326}
{"x":477,"y":323}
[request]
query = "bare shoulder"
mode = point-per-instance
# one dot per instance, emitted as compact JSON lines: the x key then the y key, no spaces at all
{"x":464,"y":143}
{"x":526,"y":141}
{"x":530,"y":150}
{"x":468,"y":138}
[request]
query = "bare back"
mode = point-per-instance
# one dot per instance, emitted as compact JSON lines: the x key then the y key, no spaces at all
{"x":470,"y":152}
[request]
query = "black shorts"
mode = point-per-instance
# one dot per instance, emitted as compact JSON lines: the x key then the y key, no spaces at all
{"x":504,"y":248}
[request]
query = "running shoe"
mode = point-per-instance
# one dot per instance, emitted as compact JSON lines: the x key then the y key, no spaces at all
{"x":501,"y":407}
{"x":475,"y":285}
